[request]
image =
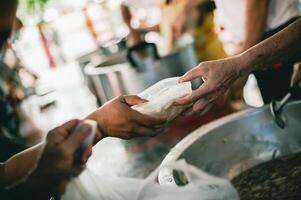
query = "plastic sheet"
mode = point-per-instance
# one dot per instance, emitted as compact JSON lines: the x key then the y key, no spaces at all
{"x":201,"y":186}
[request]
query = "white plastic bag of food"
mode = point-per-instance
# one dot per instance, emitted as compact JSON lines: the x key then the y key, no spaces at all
{"x":201,"y":186}
{"x":161,"y":97}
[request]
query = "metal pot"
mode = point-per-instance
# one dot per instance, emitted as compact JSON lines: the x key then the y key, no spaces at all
{"x":153,"y":68}
{"x":235,"y":143}
{"x":112,"y":77}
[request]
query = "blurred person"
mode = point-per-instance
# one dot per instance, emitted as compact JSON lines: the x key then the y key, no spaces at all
{"x":128,"y":16}
{"x":201,"y":26}
{"x":134,"y":36}
{"x":19,"y":130}
{"x":247,"y":23}
{"x":23,"y":72}
{"x":11,"y":92}
{"x":219,"y":75}
{"x":200,"y":22}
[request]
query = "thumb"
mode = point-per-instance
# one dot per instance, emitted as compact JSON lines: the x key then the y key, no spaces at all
{"x":77,"y":137}
{"x":134,"y":100}
{"x":193,"y":74}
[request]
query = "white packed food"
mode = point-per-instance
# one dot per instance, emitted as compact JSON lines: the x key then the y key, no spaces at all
{"x":161,"y":98}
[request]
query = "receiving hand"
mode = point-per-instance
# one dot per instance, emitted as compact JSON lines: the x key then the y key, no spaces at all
{"x":57,"y":165}
{"x":117,"y":119}
{"x":218,"y":76}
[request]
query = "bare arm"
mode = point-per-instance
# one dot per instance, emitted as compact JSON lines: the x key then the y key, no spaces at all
{"x":284,"y":46}
{"x":219,"y":75}
{"x":255,"y":21}
{"x":20,"y":165}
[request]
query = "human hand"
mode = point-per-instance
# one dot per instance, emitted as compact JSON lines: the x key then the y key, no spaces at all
{"x":218,"y":76}
{"x":57,"y":165}
{"x":117,"y":119}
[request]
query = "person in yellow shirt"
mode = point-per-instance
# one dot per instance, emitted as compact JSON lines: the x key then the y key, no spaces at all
{"x":208,"y":46}
{"x":201,"y":25}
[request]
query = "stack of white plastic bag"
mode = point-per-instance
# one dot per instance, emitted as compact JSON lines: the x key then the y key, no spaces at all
{"x":201,"y":186}
{"x":161,"y":98}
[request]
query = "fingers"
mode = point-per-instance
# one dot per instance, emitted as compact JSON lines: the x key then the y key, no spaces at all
{"x":70,"y":125}
{"x":188,"y":112}
{"x":76,"y":171}
{"x":206,"y":109}
{"x":61,"y":133}
{"x":202,"y":106}
{"x":86,"y":154}
{"x":202,"y":91}
{"x":134,"y":100}
{"x":145,"y":131}
{"x":147,"y":120}
{"x":193,"y":74}
{"x":76,"y":138}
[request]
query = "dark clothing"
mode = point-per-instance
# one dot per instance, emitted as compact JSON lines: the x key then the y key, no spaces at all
{"x":10,"y":140}
{"x":274,"y":82}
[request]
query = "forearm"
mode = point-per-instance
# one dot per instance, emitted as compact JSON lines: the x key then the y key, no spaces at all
{"x":283,"y":46}
{"x":20,"y":165}
{"x":100,"y":124}
{"x":255,"y":21}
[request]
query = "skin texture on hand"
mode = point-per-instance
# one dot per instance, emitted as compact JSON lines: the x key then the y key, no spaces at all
{"x":220,"y":74}
{"x":54,"y":160}
{"x":57,"y":160}
{"x":217,"y":77}
{"x":117,"y":119}
{"x":56,"y":165}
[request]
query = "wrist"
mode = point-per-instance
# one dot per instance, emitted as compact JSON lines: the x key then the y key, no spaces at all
{"x":101,"y":133}
{"x":246,"y":63}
